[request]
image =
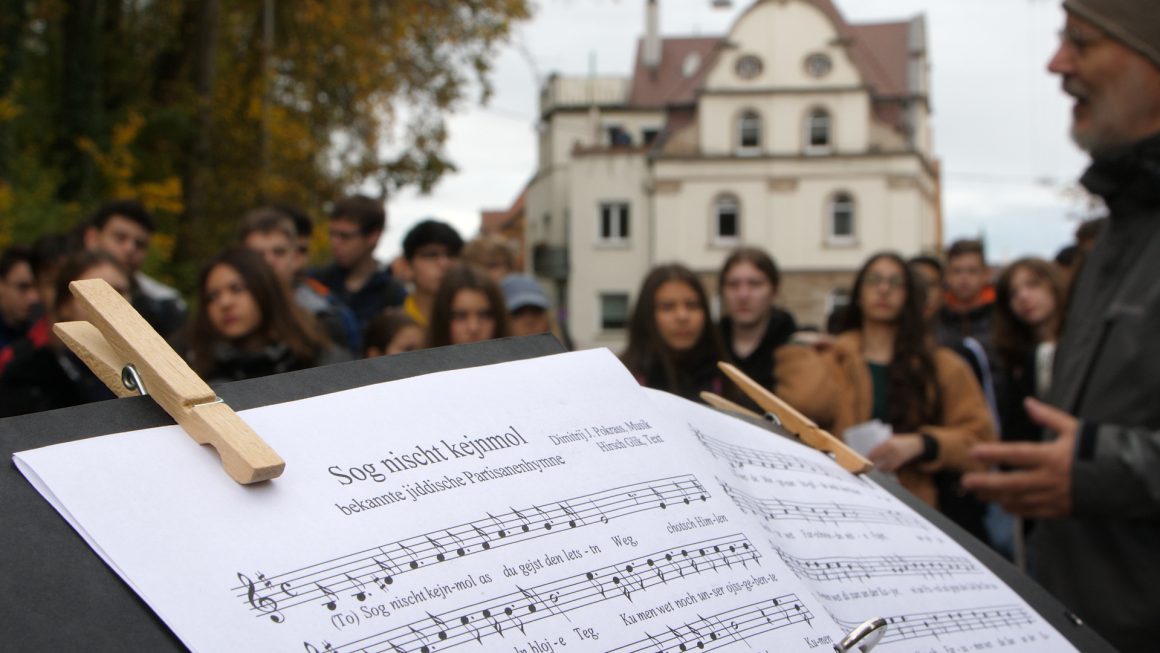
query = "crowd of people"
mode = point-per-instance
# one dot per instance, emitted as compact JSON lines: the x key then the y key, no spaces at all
{"x":259,"y":309}
{"x":933,"y":351}
{"x":1022,"y":404}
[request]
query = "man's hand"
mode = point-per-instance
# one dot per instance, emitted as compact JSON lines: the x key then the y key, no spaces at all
{"x":1040,"y":485}
{"x":891,"y":454}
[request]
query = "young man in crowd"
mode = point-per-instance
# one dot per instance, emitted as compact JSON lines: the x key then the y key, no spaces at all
{"x":752,"y":327}
{"x":757,"y":335}
{"x":492,"y":254}
{"x":355,"y":278}
{"x":429,"y":249}
{"x":1093,"y":485}
{"x":969,"y":305}
{"x":122,"y":229}
{"x":272,"y":233}
{"x":19,"y":299}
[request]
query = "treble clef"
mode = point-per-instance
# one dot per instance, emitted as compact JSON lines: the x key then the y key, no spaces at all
{"x":261,"y":602}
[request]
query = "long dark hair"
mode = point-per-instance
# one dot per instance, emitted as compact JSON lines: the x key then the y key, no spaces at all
{"x":648,"y":356}
{"x":1014,"y":339}
{"x":282,"y":321}
{"x":464,"y":277}
{"x":755,"y":256}
{"x":914,"y":397}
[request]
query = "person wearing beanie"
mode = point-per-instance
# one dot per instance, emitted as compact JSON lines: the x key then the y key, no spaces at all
{"x":1093,"y":484}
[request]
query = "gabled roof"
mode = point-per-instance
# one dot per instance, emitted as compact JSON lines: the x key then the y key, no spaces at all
{"x":880,"y":51}
{"x":668,"y":85}
{"x":494,"y":220}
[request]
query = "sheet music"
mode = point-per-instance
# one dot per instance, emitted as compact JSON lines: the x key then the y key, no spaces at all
{"x":862,"y":552}
{"x":538,"y":506}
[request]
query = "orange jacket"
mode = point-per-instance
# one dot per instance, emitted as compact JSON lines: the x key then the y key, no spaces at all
{"x":965,"y":422}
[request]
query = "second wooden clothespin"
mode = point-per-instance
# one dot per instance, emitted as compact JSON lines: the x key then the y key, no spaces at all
{"x":800,"y":426}
{"x":130,"y":357}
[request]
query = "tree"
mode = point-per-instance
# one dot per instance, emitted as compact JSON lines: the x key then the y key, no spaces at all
{"x":206,"y":109}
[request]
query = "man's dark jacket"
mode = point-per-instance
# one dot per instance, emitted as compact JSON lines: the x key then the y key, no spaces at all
{"x":1104,"y":560}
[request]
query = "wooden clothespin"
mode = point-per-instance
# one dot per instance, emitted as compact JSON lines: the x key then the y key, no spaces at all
{"x":800,"y":426}
{"x":127,"y":355}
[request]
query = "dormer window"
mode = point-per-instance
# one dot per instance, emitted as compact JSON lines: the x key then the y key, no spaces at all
{"x":749,"y":132}
{"x":691,"y":64}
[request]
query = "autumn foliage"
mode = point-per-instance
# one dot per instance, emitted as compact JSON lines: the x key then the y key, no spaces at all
{"x":204,"y":108}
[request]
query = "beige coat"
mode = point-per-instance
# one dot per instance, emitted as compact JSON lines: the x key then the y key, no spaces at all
{"x":966,"y":420}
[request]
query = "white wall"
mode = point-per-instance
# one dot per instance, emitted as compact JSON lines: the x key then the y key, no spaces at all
{"x":596,"y":267}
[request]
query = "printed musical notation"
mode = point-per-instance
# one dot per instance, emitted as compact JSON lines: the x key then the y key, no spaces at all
{"x":848,"y":567}
{"x":514,"y":611}
{"x":739,"y":456}
{"x":935,"y":624}
{"x":321,"y":584}
{"x":725,"y":628}
{"x":824,"y":513}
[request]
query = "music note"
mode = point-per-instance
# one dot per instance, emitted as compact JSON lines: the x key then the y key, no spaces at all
{"x":483,"y":536}
{"x":660,"y":496}
{"x":388,"y":573}
{"x":547,"y":519}
{"x":599,"y":511}
{"x":465,"y":621}
{"x":332,"y":600}
{"x":573,"y":518}
{"x":523,"y":520}
{"x":438,"y":547}
{"x":499,"y":525}
{"x":460,"y":549}
{"x":361,"y":594}
{"x":495,"y":622}
{"x":414,"y":563}
{"x":442,"y":634}
{"x":598,"y":585}
{"x":259,"y":601}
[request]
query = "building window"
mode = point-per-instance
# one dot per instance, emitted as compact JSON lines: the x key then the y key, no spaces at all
{"x":841,"y":220}
{"x":614,"y":222}
{"x":818,"y":131}
{"x":613,"y":310}
{"x":618,"y":136}
{"x":648,"y":135}
{"x":726,"y":220}
{"x":749,"y":132}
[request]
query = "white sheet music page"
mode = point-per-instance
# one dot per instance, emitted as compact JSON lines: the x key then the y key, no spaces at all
{"x":539,"y":506}
{"x":860,"y":550}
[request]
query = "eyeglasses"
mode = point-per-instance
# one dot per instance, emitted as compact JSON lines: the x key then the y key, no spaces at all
{"x":892,"y":282}
{"x":1081,"y":40}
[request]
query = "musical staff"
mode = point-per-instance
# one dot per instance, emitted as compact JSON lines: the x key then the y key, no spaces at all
{"x":739,"y":456}
{"x":935,"y":624}
{"x":822,"y":513}
{"x":725,"y":628}
{"x":471,"y":624}
{"x":327,"y":582}
{"x":850,"y":567}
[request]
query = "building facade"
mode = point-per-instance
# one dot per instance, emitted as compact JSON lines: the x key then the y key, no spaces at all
{"x":796,"y":132}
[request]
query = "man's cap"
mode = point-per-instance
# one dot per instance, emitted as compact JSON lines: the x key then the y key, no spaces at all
{"x":521,"y":291}
{"x":1135,"y":23}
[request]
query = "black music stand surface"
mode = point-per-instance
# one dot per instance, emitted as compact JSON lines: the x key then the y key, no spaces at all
{"x":57,"y":594}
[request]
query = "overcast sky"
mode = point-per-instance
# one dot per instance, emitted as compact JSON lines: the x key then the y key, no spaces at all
{"x":1000,"y":120}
